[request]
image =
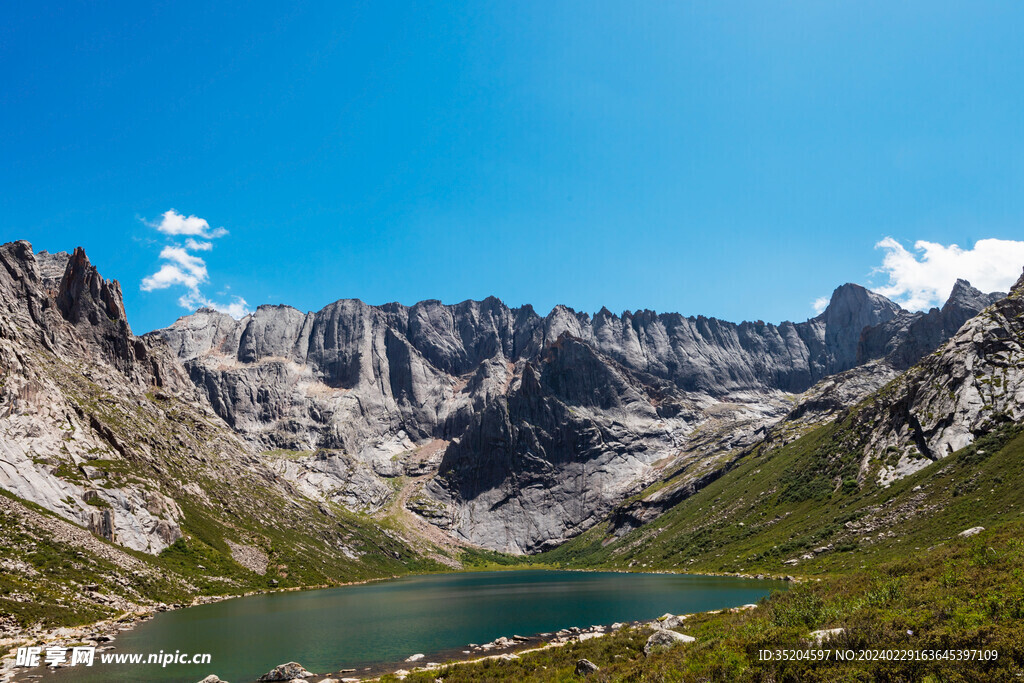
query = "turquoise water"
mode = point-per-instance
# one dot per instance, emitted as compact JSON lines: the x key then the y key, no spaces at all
{"x":368,"y":625}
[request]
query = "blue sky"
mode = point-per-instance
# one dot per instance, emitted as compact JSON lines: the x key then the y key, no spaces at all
{"x":730,"y":159}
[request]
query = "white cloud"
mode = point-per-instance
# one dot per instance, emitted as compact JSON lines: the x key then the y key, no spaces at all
{"x":193,"y":300}
{"x":182,"y":268}
{"x":174,"y":223}
{"x":168,"y":276}
{"x":919,"y":281}
{"x":195,"y":266}
{"x":192,"y":245}
{"x":820,"y":304}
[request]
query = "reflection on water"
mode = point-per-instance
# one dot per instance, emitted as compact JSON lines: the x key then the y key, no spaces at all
{"x":357,"y":626}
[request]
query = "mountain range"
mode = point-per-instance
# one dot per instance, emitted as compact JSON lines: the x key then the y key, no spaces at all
{"x":289,"y":448}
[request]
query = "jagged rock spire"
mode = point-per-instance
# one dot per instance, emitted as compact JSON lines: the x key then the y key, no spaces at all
{"x":84,"y":295}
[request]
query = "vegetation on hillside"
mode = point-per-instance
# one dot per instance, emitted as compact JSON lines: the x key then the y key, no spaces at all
{"x":802,"y":502}
{"x":966,"y":595}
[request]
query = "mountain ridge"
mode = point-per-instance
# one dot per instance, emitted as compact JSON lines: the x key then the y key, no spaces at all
{"x":370,"y":385}
{"x":517,"y":431}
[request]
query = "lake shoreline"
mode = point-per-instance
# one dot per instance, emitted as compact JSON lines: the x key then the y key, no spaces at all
{"x":103,"y":633}
{"x":521,"y":645}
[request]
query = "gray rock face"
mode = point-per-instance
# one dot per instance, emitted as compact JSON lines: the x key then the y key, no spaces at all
{"x":971,"y":384}
{"x":425,"y":370}
{"x":334,"y":476}
{"x":573,"y":437}
{"x":51,"y":269}
{"x":48,"y":441}
{"x":909,"y":337}
{"x":550,"y":421}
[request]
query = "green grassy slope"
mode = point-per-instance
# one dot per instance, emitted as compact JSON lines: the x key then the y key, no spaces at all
{"x":59,"y":574}
{"x":965,"y":595}
{"x":782,"y":504}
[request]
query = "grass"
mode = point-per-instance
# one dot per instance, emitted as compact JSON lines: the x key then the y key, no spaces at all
{"x":966,"y":595}
{"x":773,"y":507}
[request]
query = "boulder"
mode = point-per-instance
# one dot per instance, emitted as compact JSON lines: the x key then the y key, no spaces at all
{"x":212,"y":678}
{"x":826,"y":634}
{"x":585,"y":667}
{"x":673,"y":622}
{"x":415,"y":657}
{"x":285,"y":672}
{"x":973,"y":531}
{"x":663,"y":639}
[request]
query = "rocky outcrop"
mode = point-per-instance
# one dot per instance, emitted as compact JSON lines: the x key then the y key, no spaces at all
{"x":334,"y":476}
{"x":51,"y":269}
{"x":285,"y":672}
{"x":56,"y":449}
{"x":909,"y":337}
{"x":105,"y":429}
{"x":973,"y":383}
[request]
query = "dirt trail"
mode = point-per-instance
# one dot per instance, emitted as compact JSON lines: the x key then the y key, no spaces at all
{"x":418,"y":526}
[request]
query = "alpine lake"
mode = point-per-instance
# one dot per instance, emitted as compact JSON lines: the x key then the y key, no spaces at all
{"x":371,"y":626}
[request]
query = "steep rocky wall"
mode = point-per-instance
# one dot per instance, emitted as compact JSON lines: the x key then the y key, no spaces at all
{"x":280,"y":376}
{"x":550,"y":421}
{"x":53,"y":451}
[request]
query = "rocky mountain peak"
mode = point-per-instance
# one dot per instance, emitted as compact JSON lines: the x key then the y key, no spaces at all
{"x":1018,"y":286}
{"x":966,"y":299}
{"x":94,"y":307}
{"x":851,"y":310}
{"x":85,"y":297}
{"x":962,"y":288}
{"x":852,"y":303}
